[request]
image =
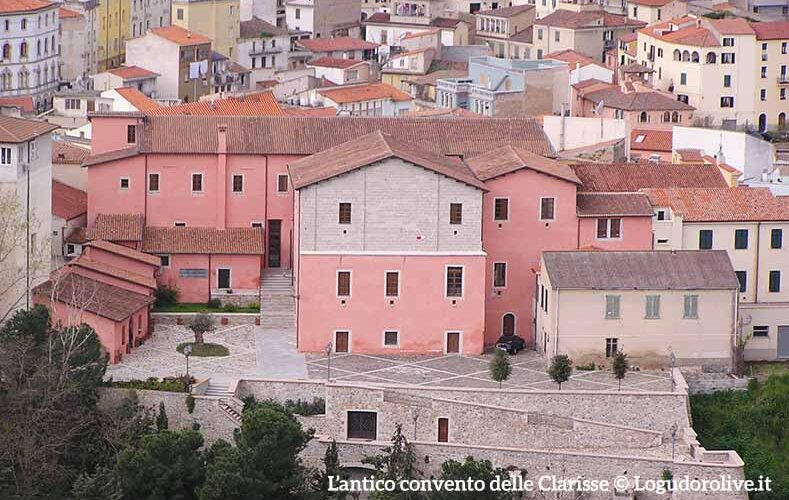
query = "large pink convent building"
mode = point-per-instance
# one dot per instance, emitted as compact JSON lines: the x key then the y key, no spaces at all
{"x":405,"y":235}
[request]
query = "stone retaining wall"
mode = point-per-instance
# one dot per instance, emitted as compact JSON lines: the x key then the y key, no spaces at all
{"x":281,"y":390}
{"x":232,"y":319}
{"x":706,"y":383}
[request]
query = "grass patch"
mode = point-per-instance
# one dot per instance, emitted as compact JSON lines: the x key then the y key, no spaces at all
{"x":168,"y":384}
{"x":205,"y":349}
{"x":763,"y":369}
{"x":187,"y":307}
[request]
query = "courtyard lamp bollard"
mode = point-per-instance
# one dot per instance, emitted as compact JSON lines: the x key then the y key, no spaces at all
{"x":187,"y":353}
{"x":329,"y":348}
{"x":673,"y":358}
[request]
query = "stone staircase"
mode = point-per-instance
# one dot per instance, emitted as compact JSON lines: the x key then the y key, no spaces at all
{"x":276,"y":340}
{"x":233,"y":408}
{"x":277,"y":302}
{"x":219,"y":388}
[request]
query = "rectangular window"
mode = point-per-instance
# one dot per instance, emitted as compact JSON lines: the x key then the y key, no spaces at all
{"x":197,"y":183}
{"x":728,"y":42}
{"x":455,"y":213}
{"x":556,"y":36}
{"x":153,"y":183}
{"x":611,"y":347}
{"x":652,"y":307}
{"x":454,"y":281}
{"x":609,"y":228}
{"x":705,"y":239}
{"x":661,"y":215}
{"x":500,"y":274}
{"x":282,"y":183}
{"x":124,"y":183}
{"x":683,"y":78}
{"x":392,"y":284}
{"x":501,"y":209}
{"x":741,"y":239}
{"x":391,"y":338}
{"x":691,"y":307}
{"x":547,"y":206}
{"x":775,"y":281}
{"x":223,"y":278}
{"x":727,"y":101}
{"x":343,"y":283}
{"x":164,"y":260}
{"x":761,"y":330}
{"x":5,"y":156}
{"x":345,"y":213}
{"x":727,"y":58}
{"x":179,"y":14}
{"x":131,"y":134}
{"x":362,"y":425}
{"x":763,"y":94}
{"x":742,"y":277}
{"x":727,"y":80}
{"x":764,"y":72}
{"x":612,"y":306}
{"x":443,"y":430}
{"x":180,"y":224}
{"x":238,"y":183}
{"x":776,"y":238}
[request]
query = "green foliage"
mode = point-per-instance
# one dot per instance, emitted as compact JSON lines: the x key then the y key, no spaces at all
{"x":754,"y":423}
{"x":475,"y":470}
{"x":206,"y":349}
{"x":206,"y":307}
{"x":162,"y":423}
{"x":620,"y":367}
{"x":166,"y":465}
{"x":190,"y":404}
{"x":264,"y":463}
{"x":166,"y":296}
{"x":200,"y":324}
{"x":214,"y":304}
{"x":231,"y":308}
{"x":331,"y":468}
{"x":667,"y":475}
{"x":299,"y":407}
{"x":560,"y":370}
{"x":589,"y":367}
{"x":101,"y":485}
{"x":169,"y":384}
{"x":500,"y":367}
{"x":397,"y":462}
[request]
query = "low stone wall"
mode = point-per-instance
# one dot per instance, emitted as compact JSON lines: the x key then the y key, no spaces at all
{"x":239,"y":298}
{"x":281,"y":390}
{"x":221,"y":318}
{"x":214,"y":423}
{"x":706,"y":383}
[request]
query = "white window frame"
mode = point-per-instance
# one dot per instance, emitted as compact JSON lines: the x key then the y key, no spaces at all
{"x":390,"y":346}
{"x":685,"y":306}
{"x":493,"y":282}
{"x":539,"y":212}
{"x":192,"y":184}
{"x":462,"y":281}
{"x":337,"y":283}
{"x":169,"y":260}
{"x":159,"y":181}
{"x":128,"y":183}
{"x":509,"y":207}
{"x":229,"y":277}
{"x":397,"y":271}
{"x":608,"y":228}
{"x":365,"y":410}
{"x":232,"y":183}
{"x":334,"y":341}
{"x":656,"y":300}
{"x":619,"y":307}
{"x":460,"y":341}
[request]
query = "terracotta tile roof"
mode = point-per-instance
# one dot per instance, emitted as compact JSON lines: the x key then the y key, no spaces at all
{"x":25,"y":103}
{"x":640,"y":270}
{"x":651,"y":140}
{"x":690,"y":155}
{"x":203,"y":240}
{"x":114,"y":271}
{"x":372,"y":148}
{"x":613,"y":97}
{"x":613,"y":204}
{"x":432,"y":77}
{"x":17,"y":130}
{"x":142,"y":102}
{"x":686,"y":34}
{"x":102,"y":299}
{"x":635,"y":68}
{"x":11,"y":6}
{"x":118,"y":154}
{"x":65,"y":152}
{"x":586,"y":19}
{"x":367,"y":92}
{"x":771,"y":30}
{"x":256,"y":27}
{"x":630,"y":177}
{"x":628,"y":37}
{"x":298,"y":111}
{"x":117,"y":227}
{"x":65,"y":13}
{"x":334,"y":62}
{"x":257,"y":104}
{"x":443,"y":113}
{"x":124,"y":251}
{"x":722,"y":166}
{"x":523,"y":36}
{"x":332,"y":44}
{"x":589,"y":83}
{"x":508,"y":159}
{"x":420,"y":34}
{"x":68,"y":202}
{"x":132,"y":72}
{"x":732,"y":26}
{"x":740,"y":204}
{"x":506,"y":11}
{"x":651,"y":3}
{"x":572,"y":57}
{"x":180,"y":36}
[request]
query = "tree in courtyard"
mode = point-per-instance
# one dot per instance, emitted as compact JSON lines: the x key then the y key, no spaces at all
{"x":560,"y":370}
{"x":331,"y":468}
{"x":620,"y":367}
{"x":162,"y":423}
{"x":500,"y":367}
{"x":265,"y":461}
{"x":483,"y":470}
{"x":166,"y":465}
{"x":397,"y":462}
{"x":201,"y":324}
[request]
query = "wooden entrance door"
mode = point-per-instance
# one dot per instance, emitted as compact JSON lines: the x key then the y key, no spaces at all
{"x":274,"y":243}
{"x":453,"y":342}
{"x":341,"y":342}
{"x":508,"y":324}
{"x":443,"y":430}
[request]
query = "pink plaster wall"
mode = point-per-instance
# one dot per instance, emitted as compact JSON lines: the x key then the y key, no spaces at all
{"x":422,"y":314}
{"x":245,"y":274}
{"x":636,"y":234}
{"x":104,"y":192}
{"x":109,"y":133}
{"x":520,"y":242}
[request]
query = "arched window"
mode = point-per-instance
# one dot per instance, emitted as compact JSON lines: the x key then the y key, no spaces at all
{"x":712,"y":58}
{"x":23,"y":50}
{"x":762,"y":122}
{"x":781,"y":121}
{"x":508,"y":324}
{"x":674,"y":117}
{"x":46,"y":45}
{"x":666,"y":116}
{"x":677,"y":55}
{"x":685,"y":56}
{"x":694,"y":57}
{"x":7,"y":51}
{"x":642,"y":117}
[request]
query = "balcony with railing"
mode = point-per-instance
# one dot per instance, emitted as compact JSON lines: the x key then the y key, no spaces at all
{"x":783,"y":79}
{"x":454,"y":85}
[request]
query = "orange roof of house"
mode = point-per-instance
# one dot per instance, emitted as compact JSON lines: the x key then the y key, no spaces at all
{"x":508,"y":159}
{"x":651,"y":3}
{"x":65,"y":13}
{"x":117,"y":227}
{"x":739,"y":204}
{"x":11,"y":6}
{"x":334,"y":62}
{"x":419,"y":34}
{"x":24,"y":102}
{"x":630,"y":177}
{"x":178,"y":35}
{"x":368,"y":92}
{"x":690,"y":155}
{"x":16,"y":130}
{"x":203,"y":240}
{"x":137,"y":99}
{"x":651,"y":140}
{"x":572,"y":57}
{"x":125,"y":251}
{"x":771,"y":30}
{"x":68,"y":202}
{"x":300,"y":111}
{"x":732,"y":26}
{"x":722,"y":166}
{"x":688,"y":33}
{"x":256,"y":104}
{"x":332,"y":44}
{"x":131,"y":72}
{"x":102,"y":267}
{"x":65,"y":152}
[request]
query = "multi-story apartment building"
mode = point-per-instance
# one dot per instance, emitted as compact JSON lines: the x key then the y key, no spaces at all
{"x":89,"y":9}
{"x":388,"y":30}
{"x":749,"y":224}
{"x":507,"y":30}
{"x":114,"y":25}
{"x":655,"y":11}
{"x":219,"y":20}
{"x":75,"y":46}
{"x":322,"y":18}
{"x":29,"y":50}
{"x":182,"y":59}
{"x":263,"y":48}
{"x":147,"y":14}
{"x":271,"y":11}
{"x":731,"y":70}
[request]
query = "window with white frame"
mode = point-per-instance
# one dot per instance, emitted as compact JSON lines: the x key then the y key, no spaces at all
{"x":691,"y":307}
{"x":612,"y":306}
{"x":164,"y":260}
{"x":5,"y":156}
{"x":652,"y":307}
{"x":547,"y":208}
{"x":197,"y":183}
{"x":124,"y":183}
{"x":391,"y":338}
{"x":609,"y":228}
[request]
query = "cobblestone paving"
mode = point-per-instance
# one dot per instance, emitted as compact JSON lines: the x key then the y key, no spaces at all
{"x":529,"y":373}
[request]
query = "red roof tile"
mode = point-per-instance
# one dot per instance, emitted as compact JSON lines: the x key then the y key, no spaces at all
{"x":132,"y":72}
{"x":651,"y":3}
{"x":102,"y":267}
{"x":367,"y":92}
{"x":771,"y":30}
{"x":203,"y":240}
{"x":572,"y":57}
{"x":613,"y":204}
{"x":68,"y":202}
{"x":332,"y":44}
{"x":124,"y":251}
{"x":117,"y":227}
{"x":373,"y":148}
{"x":732,"y":26}
{"x":508,"y":159}
{"x":630,"y":177}
{"x":613,"y":97}
{"x":334,"y":62}
{"x":256,"y":28}
{"x":65,"y":13}
{"x":651,"y":140}
{"x":688,"y":33}
{"x":17,"y":130}
{"x":11,"y":6}
{"x":180,"y":36}
{"x":257,"y":104}
{"x":299,"y":111}
{"x":739,"y":204}
{"x":690,"y":155}
{"x":142,"y":102}
{"x":118,"y":154}
{"x":64,"y":152}
{"x":506,"y":11}
{"x":420,"y":34}
{"x":586,"y":19}
{"x":25,"y":103}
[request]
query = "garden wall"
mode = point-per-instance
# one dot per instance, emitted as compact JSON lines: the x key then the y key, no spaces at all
{"x":233,"y":319}
{"x":281,"y":390}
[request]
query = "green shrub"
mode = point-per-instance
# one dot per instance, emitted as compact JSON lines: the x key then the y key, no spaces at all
{"x":166,"y":296}
{"x":589,"y":367}
{"x":190,"y":405}
{"x":298,"y":407}
{"x":169,"y":384}
{"x":214,"y":304}
{"x":252,"y":305}
{"x":230,"y":308}
{"x":560,"y":370}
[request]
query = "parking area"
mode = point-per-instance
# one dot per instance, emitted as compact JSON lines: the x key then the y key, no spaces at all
{"x":529,"y":372}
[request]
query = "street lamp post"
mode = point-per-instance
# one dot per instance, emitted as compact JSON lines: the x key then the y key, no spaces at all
{"x":329,"y":349}
{"x":673,"y":365}
{"x":187,"y":353}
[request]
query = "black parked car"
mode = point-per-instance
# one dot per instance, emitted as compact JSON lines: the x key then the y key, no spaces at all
{"x":510,"y":343}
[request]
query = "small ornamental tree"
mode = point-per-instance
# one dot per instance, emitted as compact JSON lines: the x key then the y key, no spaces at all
{"x":200,"y":324}
{"x":561,"y":368}
{"x":500,"y":367}
{"x":620,"y":367}
{"x":162,"y":423}
{"x":397,"y":463}
{"x":332,"y":469}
